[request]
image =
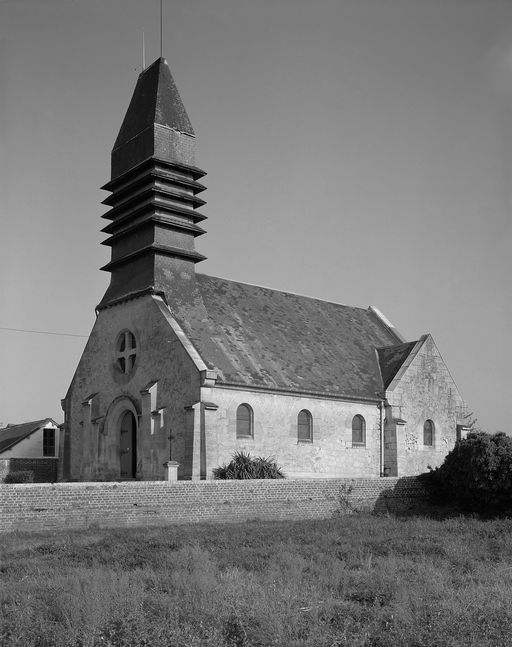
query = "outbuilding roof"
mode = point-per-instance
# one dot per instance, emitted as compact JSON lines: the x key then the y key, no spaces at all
{"x":13,"y":434}
{"x":262,"y":338}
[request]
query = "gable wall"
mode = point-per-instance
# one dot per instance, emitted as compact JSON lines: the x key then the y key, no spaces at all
{"x":92,"y":444}
{"x":275,"y":433}
{"x":425,"y":391}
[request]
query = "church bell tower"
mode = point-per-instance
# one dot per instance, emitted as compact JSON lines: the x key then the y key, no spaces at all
{"x":154,"y":186}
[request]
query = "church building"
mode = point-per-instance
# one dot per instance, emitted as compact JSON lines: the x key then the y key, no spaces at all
{"x":187,"y":367}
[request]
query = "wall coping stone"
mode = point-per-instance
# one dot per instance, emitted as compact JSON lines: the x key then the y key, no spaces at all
{"x":204,"y":483}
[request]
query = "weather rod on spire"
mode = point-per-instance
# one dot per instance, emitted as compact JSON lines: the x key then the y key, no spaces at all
{"x":161,"y":29}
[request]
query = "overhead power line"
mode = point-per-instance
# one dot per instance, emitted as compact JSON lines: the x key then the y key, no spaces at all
{"x":43,"y":332}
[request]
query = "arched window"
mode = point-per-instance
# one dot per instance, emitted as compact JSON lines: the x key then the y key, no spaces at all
{"x":304,"y":427}
{"x":428,"y":433}
{"x":358,"y":431}
{"x":244,"y":421}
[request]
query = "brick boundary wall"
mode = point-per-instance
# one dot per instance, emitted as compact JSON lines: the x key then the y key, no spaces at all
{"x":77,"y":506}
{"x":44,"y":469}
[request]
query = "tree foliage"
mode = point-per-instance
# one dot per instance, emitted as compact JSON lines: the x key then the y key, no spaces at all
{"x":243,"y":466}
{"x":477,"y":473}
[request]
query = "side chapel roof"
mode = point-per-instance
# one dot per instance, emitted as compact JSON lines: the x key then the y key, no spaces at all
{"x":392,"y":358}
{"x":258,"y":337}
{"x":13,"y":434}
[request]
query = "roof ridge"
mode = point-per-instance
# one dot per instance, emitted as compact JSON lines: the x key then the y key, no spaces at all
{"x":404,"y":343}
{"x":29,"y":422}
{"x":296,"y":294}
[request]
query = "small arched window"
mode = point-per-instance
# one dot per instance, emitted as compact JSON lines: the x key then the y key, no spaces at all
{"x":244,"y":421}
{"x":358,"y":431}
{"x":304,"y":427}
{"x":428,"y":433}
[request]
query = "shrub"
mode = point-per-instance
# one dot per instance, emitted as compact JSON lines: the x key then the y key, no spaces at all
{"x":243,"y":466}
{"x":22,"y":476}
{"x":477,"y":473}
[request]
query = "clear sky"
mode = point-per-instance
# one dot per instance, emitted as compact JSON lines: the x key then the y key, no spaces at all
{"x":358,"y":151}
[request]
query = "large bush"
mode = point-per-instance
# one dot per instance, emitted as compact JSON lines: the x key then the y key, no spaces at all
{"x":477,"y":473}
{"x":243,"y":466}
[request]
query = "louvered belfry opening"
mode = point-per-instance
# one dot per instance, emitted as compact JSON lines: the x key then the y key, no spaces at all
{"x":154,"y":193}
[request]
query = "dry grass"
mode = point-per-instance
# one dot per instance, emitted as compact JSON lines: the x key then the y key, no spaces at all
{"x":354,"y":580}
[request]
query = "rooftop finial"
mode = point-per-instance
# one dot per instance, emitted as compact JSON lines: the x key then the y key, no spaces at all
{"x":143,"y":52}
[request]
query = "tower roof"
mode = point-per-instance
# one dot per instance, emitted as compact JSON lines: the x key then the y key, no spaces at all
{"x":155,"y":100}
{"x":156,"y":124}
{"x":154,"y":192}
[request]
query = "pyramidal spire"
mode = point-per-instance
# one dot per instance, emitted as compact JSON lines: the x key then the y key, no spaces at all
{"x":156,"y":123}
{"x":154,"y":187}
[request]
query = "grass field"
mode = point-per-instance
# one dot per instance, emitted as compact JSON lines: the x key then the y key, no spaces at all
{"x":354,"y":580}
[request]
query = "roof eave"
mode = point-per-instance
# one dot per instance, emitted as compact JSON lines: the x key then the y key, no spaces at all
{"x":297,"y":392}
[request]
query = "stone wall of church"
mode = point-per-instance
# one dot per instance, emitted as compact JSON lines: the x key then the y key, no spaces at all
{"x":330,"y":454}
{"x":163,"y":383}
{"x":426,"y":391}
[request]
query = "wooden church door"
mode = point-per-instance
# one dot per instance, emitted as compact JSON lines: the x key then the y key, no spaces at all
{"x":128,"y":445}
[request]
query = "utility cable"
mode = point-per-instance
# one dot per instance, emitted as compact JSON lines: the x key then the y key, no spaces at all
{"x":43,"y":332}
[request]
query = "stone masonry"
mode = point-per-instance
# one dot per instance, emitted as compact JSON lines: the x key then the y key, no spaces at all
{"x":78,"y":506}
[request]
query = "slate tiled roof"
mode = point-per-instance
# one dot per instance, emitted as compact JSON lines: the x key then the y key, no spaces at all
{"x":155,"y":100}
{"x":13,"y":434}
{"x":392,"y":358}
{"x":258,"y":337}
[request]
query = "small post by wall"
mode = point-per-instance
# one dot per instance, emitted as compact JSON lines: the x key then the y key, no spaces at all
{"x":171,"y":471}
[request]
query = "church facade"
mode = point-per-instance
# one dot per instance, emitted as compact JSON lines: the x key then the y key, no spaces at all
{"x":187,"y":367}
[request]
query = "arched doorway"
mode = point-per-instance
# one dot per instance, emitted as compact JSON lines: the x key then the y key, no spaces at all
{"x":128,"y":445}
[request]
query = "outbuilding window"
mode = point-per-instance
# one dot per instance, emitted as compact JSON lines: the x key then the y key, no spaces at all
{"x":244,"y":421}
{"x":304,"y":427}
{"x":49,"y":442}
{"x":358,"y":431}
{"x":428,"y":433}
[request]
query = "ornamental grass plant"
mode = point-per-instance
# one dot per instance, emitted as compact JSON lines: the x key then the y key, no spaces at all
{"x":244,"y":466}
